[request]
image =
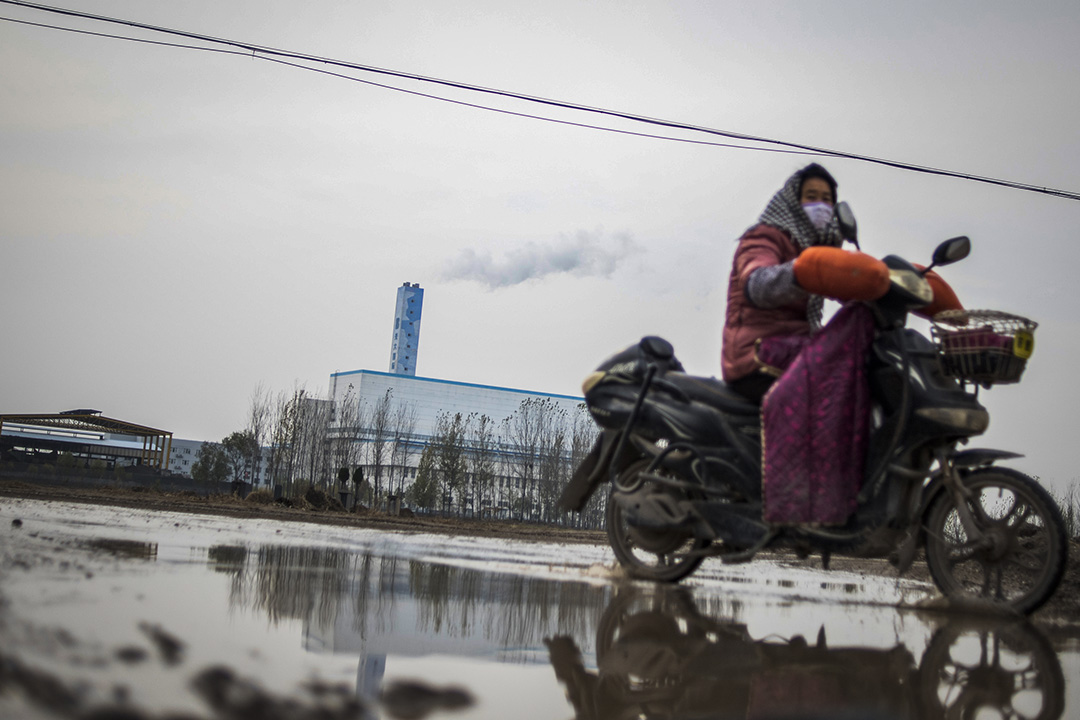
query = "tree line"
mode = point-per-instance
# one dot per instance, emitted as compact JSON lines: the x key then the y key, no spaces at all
{"x":469,"y":464}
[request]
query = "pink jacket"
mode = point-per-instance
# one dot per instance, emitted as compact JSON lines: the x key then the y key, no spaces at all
{"x":760,"y":246}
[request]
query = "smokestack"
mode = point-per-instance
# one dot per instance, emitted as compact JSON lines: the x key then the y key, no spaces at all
{"x":406,"y":343}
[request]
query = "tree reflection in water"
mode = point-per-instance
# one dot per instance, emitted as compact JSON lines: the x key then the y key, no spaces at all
{"x":227,"y":558}
{"x":124,"y":549}
{"x":285,"y":582}
{"x":659,"y":655}
{"x":350,"y":600}
{"x":298,"y":582}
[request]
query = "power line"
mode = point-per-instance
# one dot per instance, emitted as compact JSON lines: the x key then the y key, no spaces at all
{"x":403,"y":90}
{"x":536,"y":117}
{"x":284,"y":56}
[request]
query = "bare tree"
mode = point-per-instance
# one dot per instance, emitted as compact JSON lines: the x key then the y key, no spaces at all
{"x":583,"y":433}
{"x":448,"y":443}
{"x":260,"y":411}
{"x":483,"y":460}
{"x":552,"y":464}
{"x":403,"y":445}
{"x":531,"y":434}
{"x":300,"y":440}
{"x":283,"y":427}
{"x":346,"y":432}
{"x":506,"y":479}
{"x":313,"y":440}
{"x":381,"y":420}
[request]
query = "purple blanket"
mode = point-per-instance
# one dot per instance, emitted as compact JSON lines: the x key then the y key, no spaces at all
{"x":815,"y":425}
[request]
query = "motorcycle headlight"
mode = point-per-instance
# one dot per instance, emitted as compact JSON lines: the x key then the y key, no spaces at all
{"x":913,"y":283}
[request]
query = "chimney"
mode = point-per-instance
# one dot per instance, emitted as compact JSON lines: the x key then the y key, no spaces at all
{"x":406,"y":343}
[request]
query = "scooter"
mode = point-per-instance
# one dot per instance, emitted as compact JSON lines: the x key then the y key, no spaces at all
{"x":683,"y":456}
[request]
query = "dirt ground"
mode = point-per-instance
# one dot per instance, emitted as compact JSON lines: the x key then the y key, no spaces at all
{"x":300,"y":511}
{"x":1061,"y":613}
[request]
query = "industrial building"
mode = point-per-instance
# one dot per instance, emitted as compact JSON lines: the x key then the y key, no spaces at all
{"x":426,"y":398}
{"x":84,"y":437}
{"x":521,"y":464}
{"x":89,"y":439}
{"x":429,"y":397}
{"x":414,"y":406}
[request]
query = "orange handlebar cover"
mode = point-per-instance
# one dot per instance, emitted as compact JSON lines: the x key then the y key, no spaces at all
{"x":841,"y":274}
{"x":944,"y":296}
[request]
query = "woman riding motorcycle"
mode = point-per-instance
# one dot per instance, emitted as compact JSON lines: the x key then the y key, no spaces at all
{"x":815,"y":418}
{"x":783,"y":268}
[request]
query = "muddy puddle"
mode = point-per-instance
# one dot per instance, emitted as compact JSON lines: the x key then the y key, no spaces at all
{"x":117,"y":613}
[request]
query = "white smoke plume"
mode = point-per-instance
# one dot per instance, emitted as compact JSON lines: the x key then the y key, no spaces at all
{"x":583,"y":255}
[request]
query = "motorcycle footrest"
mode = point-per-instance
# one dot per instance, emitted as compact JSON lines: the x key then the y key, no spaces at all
{"x":748,"y":554}
{"x":735,"y":524}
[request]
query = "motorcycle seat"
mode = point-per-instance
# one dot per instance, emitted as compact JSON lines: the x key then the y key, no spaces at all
{"x":712,"y":392}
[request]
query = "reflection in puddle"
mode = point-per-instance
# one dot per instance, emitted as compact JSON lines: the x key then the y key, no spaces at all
{"x":658,"y":655}
{"x":125,"y":549}
{"x":1010,"y":670}
{"x":227,"y":558}
{"x":374,"y":606}
{"x":161,"y":620}
{"x":641,"y":650}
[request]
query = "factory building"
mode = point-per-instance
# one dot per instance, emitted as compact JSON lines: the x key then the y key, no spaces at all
{"x":82,"y":437}
{"x":357,"y":392}
{"x":520,"y":460}
{"x":429,"y":397}
{"x":412,"y":407}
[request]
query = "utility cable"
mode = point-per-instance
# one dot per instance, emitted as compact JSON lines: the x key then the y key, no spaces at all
{"x":395,"y":88}
{"x":275,"y":53}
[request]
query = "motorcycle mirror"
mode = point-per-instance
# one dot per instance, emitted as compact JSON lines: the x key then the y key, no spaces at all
{"x":950,"y":251}
{"x":845,"y":218}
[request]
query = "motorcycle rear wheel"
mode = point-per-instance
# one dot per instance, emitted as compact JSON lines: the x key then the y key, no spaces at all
{"x":1021,"y":557}
{"x":661,"y":555}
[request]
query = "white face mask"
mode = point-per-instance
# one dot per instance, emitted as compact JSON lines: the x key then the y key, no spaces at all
{"x":820,"y":213}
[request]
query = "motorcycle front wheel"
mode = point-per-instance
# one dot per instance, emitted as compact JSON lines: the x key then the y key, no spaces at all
{"x":1020,"y":557}
{"x":662,"y":555}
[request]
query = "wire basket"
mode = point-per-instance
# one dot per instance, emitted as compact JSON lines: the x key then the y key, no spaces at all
{"x":985,"y":347}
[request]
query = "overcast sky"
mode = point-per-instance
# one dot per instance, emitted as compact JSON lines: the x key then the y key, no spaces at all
{"x":178,"y":227}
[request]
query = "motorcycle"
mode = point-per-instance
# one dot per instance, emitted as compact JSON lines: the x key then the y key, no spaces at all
{"x":683,"y":456}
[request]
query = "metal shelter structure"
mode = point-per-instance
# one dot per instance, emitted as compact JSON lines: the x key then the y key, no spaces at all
{"x":83,"y":433}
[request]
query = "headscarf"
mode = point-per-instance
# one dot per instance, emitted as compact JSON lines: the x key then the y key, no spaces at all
{"x":785,"y":212}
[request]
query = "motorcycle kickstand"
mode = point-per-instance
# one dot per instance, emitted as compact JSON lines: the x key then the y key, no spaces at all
{"x":742,"y":556}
